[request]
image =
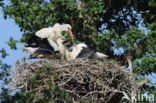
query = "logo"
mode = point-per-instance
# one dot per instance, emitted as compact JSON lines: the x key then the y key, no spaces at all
{"x":139,"y":97}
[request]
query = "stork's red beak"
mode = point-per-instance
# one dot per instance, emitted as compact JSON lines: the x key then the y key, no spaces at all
{"x":71,"y":36}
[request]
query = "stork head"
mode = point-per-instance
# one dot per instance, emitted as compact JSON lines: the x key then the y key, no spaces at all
{"x":64,"y":27}
{"x":67,"y":28}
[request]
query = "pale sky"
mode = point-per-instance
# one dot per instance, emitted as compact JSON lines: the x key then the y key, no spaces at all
{"x":9,"y":28}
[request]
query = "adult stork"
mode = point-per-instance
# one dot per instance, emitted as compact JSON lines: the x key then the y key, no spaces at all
{"x":54,"y":33}
{"x":43,"y":42}
{"x":79,"y":51}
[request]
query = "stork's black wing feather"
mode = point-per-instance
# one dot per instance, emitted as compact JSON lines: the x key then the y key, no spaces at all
{"x":41,"y":51}
{"x":86,"y":53}
{"x":35,"y":41}
{"x":44,"y":51}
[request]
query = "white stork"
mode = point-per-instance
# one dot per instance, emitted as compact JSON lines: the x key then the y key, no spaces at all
{"x":78,"y":51}
{"x":52,"y":34}
{"x":43,"y":42}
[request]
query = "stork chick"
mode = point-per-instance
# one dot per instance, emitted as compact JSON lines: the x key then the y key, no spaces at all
{"x":79,"y":51}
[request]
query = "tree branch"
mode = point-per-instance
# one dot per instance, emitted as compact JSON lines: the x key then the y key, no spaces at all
{"x":129,"y":59}
{"x":80,"y":7}
{"x":141,"y":83}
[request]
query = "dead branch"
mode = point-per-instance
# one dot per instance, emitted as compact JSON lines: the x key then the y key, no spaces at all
{"x":129,"y":59}
{"x":141,"y":83}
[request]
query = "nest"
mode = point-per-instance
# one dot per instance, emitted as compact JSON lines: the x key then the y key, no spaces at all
{"x":82,"y":79}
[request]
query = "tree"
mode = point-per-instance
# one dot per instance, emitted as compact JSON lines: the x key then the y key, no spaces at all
{"x":4,"y":72}
{"x":108,"y":25}
{"x":4,"y":77}
{"x":1,"y":3}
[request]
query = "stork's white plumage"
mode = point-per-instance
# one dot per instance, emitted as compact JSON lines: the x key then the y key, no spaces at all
{"x":79,"y":51}
{"x":52,"y":34}
{"x":30,"y":50}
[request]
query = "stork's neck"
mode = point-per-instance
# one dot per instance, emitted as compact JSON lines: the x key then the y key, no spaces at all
{"x":57,"y":33}
{"x":61,"y":47}
{"x":59,"y":28}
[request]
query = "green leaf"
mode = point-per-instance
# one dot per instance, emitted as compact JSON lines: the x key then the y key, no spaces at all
{"x":3,"y":53}
{"x":12,"y":43}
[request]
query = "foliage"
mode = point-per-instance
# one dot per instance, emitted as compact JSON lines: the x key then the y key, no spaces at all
{"x":3,"y":53}
{"x":4,"y":72}
{"x":1,"y":3}
{"x":12,"y":43}
{"x":105,"y":41}
{"x":4,"y":77}
{"x":106,"y":25}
